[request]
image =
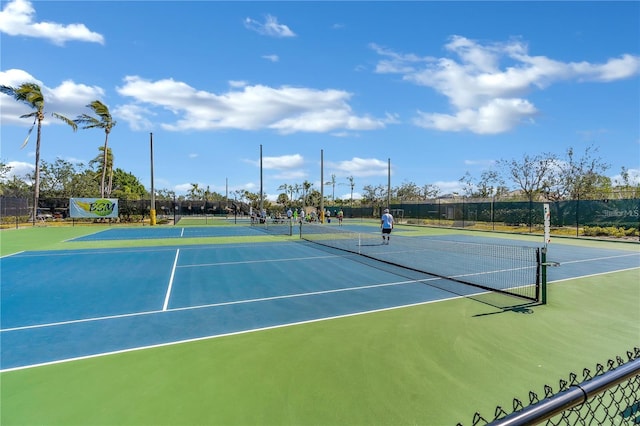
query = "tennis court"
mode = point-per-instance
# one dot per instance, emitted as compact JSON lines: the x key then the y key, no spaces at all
{"x":176,"y":294}
{"x":84,"y":305}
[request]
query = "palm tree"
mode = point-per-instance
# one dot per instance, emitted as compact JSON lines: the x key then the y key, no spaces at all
{"x":31,"y":94}
{"x":103,"y":120}
{"x":100,"y":160}
{"x":306,"y":186}
{"x":332,"y":182}
{"x":352,"y":184}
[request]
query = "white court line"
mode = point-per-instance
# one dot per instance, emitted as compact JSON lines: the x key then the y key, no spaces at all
{"x":182,"y":232}
{"x":600,"y":258}
{"x":215,"y":336}
{"x":12,"y":254}
{"x":592,"y":275}
{"x":173,"y":272}
{"x":244,"y":262}
{"x":85,"y":235}
{"x":213,"y":305}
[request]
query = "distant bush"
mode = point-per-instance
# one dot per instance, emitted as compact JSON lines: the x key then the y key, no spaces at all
{"x":609,"y":231}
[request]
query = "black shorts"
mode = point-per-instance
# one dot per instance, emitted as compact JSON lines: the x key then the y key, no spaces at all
{"x":386,"y":230}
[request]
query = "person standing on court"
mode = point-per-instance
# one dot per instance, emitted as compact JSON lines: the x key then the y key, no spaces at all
{"x":386,"y":223}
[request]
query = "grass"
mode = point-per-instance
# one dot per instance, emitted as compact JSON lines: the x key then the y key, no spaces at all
{"x":432,"y":364}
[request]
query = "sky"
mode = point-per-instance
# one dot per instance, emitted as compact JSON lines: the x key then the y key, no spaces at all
{"x":435,"y":89}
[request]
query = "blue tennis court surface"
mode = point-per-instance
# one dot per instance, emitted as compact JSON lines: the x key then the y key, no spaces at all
{"x":202,"y":231}
{"x":63,"y":305}
{"x":173,"y":232}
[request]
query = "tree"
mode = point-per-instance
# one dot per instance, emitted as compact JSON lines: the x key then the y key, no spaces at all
{"x":489,"y":184}
{"x":85,"y":184}
{"x":104,"y":121}
{"x":31,"y":95}
{"x":165,"y":194}
{"x":430,"y":191}
{"x":126,"y":185}
{"x":290,"y":190}
{"x":100,"y":160}
{"x":626,"y":184}
{"x":467,"y":184}
{"x":56,"y":179}
{"x":306,"y":186}
{"x":352,"y":185}
{"x":4,"y":170}
{"x":283,"y":199}
{"x":531,"y":174}
{"x":332,"y":182}
{"x":408,"y":191}
{"x":15,"y":187}
{"x":195,"y":192}
{"x":576,"y":177}
{"x":373,"y":194}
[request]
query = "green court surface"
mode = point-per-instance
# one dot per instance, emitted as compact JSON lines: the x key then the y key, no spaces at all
{"x":429,"y":364}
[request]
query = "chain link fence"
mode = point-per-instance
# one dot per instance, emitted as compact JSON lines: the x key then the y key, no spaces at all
{"x":609,"y":395}
{"x":616,"y":218}
{"x":16,"y":211}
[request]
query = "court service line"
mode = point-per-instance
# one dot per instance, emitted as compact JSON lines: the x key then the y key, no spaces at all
{"x":244,"y":262}
{"x":181,"y":232}
{"x":232,"y":333}
{"x":214,"y":305}
{"x":601,"y":258}
{"x":173,"y":273}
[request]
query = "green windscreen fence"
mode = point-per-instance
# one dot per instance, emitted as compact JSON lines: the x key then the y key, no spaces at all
{"x":603,"y":213}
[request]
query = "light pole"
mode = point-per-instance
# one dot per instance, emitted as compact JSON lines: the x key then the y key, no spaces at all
{"x":152,"y":211}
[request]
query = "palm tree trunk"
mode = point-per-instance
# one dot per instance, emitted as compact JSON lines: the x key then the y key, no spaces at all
{"x":104,"y":165}
{"x":36,"y":184}
{"x":110,"y":186}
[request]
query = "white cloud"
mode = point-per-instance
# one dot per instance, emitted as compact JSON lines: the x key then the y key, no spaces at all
{"x":284,"y":162}
{"x":448,"y":187}
{"x":633,"y":177}
{"x":486,"y":84}
{"x":237,"y":83}
{"x":285,"y":109}
{"x":135,"y":115}
{"x":481,"y":163}
{"x":347,"y":196}
{"x":292,"y":176}
{"x":182,"y":188}
{"x":19,"y":169}
{"x":270,"y":27}
{"x":68,"y":99}
{"x":272,"y":58}
{"x":358,"y":167}
{"x":17,"y":19}
{"x":496,"y":116}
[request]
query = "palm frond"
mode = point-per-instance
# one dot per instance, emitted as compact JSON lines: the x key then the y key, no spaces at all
{"x":71,"y":123}
{"x":105,"y":121}
{"x":26,"y":140}
{"x":29,"y":93}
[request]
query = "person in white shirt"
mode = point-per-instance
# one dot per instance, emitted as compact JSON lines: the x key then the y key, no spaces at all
{"x":386,"y":223}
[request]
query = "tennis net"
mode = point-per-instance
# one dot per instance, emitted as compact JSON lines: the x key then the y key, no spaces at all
{"x":509,"y":269}
{"x":274,"y":227}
